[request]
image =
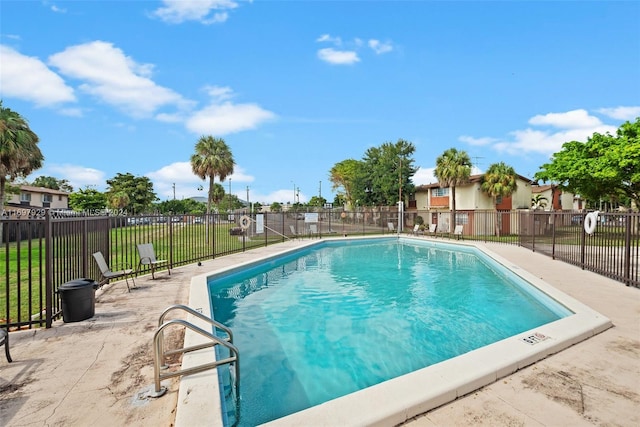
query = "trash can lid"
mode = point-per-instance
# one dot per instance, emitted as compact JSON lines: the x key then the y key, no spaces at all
{"x":77,"y":283}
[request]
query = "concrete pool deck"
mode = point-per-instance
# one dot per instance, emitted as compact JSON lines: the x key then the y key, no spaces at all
{"x":96,"y":372}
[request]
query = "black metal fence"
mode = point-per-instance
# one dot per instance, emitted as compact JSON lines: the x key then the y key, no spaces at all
{"x":41,"y":254}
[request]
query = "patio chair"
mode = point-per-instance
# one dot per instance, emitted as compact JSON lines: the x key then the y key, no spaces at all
{"x":148,"y":257}
{"x":433,"y":228}
{"x":4,"y":340}
{"x":313,"y":229}
{"x":416,"y":230}
{"x":392,"y":228}
{"x":107,"y":274}
{"x":294,"y":233}
{"x":458,"y":232}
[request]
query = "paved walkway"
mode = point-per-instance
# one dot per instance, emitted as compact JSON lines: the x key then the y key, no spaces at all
{"x":96,"y":372}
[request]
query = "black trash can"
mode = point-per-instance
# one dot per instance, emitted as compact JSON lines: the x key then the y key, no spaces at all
{"x":78,"y":299}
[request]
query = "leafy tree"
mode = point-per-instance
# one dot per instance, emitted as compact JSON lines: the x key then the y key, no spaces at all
{"x":52,"y":183}
{"x":19,"y":152}
{"x":212,"y":158}
{"x":317,"y":201}
{"x":348,"y":174}
{"x":500,"y":180}
{"x":275,"y":207}
{"x":187,"y":206}
{"x":538,"y":202}
{"x":87,"y":199}
{"x":453,"y":168}
{"x":230,"y":202}
{"x":133,"y":193}
{"x":379,"y":178}
{"x":605,"y":167}
{"x":389,"y":169}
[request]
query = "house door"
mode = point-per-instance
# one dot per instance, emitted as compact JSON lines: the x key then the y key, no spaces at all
{"x":434,"y":218}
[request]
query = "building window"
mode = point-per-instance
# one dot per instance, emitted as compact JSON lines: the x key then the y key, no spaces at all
{"x":462,"y":218}
{"x":25,"y":197}
{"x":498,"y":200}
{"x":440,"y":192}
{"x":47,"y":198}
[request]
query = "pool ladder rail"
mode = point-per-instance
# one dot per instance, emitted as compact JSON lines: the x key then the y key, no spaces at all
{"x":160,"y":355}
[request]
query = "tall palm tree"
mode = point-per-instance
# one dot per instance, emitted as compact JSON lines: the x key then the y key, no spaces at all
{"x":453,"y":168}
{"x":500,"y":180}
{"x":212,"y":158}
{"x":19,"y":152}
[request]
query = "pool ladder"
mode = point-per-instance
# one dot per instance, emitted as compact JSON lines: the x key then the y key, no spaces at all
{"x":159,"y":353}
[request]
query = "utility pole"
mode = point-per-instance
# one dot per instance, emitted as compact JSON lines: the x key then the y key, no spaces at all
{"x":174,"y":191}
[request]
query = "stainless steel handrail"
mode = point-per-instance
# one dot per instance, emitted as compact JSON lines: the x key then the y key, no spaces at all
{"x":197,"y":314}
{"x":159,"y":353}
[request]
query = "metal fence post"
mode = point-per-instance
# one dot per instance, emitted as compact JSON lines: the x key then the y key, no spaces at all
{"x":48,"y":270}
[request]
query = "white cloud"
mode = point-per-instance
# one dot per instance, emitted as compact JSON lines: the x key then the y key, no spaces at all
{"x":178,"y":11}
{"x":424,"y":176}
{"x":78,"y":176}
{"x":28,"y":78}
{"x":576,"y":125}
{"x":569,"y":120}
{"x":327,"y":38}
{"x":543,"y":142}
{"x":219,"y":93}
{"x":57,"y":9}
{"x":338,"y":57}
{"x":114,"y":78}
{"x":224,"y":118}
{"x":349,"y":53}
{"x":379,"y":47}
{"x":477,"y":141}
{"x":621,"y":113}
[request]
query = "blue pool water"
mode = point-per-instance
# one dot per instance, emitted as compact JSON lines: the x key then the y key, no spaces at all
{"x":337,"y":318}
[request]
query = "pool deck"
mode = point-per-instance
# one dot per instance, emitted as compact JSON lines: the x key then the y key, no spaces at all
{"x":97,"y":372}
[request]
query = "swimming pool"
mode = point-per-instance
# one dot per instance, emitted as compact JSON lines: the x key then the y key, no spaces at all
{"x":374,"y":323}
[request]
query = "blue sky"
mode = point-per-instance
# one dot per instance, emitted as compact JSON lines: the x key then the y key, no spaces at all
{"x":294,"y":87}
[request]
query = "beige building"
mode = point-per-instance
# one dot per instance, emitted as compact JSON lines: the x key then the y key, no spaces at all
{"x":556,"y":199}
{"x":435,"y":202}
{"x":37,"y":198}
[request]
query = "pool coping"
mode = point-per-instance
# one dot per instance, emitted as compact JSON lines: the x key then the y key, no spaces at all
{"x":399,"y":399}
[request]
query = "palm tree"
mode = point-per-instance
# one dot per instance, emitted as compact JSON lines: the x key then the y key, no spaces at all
{"x":212,"y":158}
{"x":499,"y":181}
{"x":453,"y":168}
{"x":19,"y":152}
{"x":538,"y":202}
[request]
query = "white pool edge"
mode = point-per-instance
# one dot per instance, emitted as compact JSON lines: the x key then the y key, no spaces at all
{"x":399,"y":399}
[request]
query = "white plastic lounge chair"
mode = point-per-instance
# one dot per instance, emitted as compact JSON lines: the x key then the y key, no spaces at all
{"x":148,"y":257}
{"x":391,"y":227}
{"x":433,"y":228}
{"x":458,"y":232}
{"x":126,"y":271}
{"x":416,"y":230}
{"x":294,"y":233}
{"x":313,"y":229}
